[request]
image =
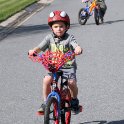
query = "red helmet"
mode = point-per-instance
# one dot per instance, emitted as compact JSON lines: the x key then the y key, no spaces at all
{"x":58,"y":16}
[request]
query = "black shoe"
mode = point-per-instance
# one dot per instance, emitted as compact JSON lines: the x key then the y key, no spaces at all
{"x":75,"y":106}
{"x":102,"y":20}
{"x":41,"y":110}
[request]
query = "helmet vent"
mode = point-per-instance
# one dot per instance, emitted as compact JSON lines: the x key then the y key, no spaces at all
{"x":63,"y":14}
{"x":51,"y":14}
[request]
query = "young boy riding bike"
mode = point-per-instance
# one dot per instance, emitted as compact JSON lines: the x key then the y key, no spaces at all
{"x":59,"y":23}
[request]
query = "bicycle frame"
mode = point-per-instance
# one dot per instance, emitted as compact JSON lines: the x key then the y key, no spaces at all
{"x":90,"y":8}
{"x":57,"y":92}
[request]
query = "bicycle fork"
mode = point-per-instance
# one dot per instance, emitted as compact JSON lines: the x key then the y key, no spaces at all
{"x":57,"y":97}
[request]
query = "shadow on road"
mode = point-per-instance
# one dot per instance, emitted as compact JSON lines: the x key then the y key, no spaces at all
{"x":104,"y":122}
{"x":34,"y":29}
{"x":31,"y":29}
{"x":114,"y":21}
{"x":105,"y":22}
{"x":23,"y":30}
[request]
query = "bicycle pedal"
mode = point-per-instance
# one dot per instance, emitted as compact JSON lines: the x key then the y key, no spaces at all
{"x":39,"y":113}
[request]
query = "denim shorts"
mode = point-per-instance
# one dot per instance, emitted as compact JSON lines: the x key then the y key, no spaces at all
{"x":68,"y":73}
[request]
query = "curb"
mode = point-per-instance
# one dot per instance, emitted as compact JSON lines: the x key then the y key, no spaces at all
{"x":13,"y":22}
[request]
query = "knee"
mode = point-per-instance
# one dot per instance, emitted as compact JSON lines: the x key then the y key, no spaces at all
{"x":47,"y":80}
{"x":72,"y":83}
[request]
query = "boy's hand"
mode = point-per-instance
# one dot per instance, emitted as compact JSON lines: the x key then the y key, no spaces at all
{"x":78,"y":50}
{"x":32,"y":53}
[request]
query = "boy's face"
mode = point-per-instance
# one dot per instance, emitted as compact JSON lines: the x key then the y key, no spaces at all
{"x":59,"y":28}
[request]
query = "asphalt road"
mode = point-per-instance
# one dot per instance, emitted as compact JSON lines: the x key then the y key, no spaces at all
{"x":100,"y":68}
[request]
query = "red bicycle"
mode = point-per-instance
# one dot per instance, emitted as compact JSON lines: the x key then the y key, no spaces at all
{"x":58,"y":107}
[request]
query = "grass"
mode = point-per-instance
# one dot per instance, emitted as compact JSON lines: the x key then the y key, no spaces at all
{"x":10,"y":7}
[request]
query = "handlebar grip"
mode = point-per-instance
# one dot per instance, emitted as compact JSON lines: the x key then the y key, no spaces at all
{"x":32,"y":54}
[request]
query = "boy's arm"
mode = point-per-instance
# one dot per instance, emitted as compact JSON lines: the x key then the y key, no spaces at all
{"x":37,"y":49}
{"x":34,"y":51}
{"x":77,"y":49}
{"x":41,"y":47}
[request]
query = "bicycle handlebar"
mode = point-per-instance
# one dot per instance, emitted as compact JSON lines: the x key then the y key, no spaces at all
{"x":53,"y":61}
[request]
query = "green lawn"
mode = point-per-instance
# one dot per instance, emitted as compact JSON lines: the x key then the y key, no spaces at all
{"x":10,"y":7}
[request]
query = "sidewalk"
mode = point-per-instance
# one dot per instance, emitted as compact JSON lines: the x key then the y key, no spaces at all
{"x":13,"y":22}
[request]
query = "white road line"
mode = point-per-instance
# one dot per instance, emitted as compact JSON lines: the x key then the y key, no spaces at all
{"x":29,"y":17}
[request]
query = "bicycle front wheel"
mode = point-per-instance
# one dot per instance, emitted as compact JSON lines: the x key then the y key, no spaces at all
{"x":51,"y":115}
{"x":82,"y":16}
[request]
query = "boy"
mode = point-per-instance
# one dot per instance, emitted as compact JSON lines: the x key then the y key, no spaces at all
{"x":59,"y":23}
{"x":103,"y":8}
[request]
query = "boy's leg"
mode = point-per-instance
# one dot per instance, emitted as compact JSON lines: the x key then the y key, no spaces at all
{"x":74,"y":92}
{"x":73,"y":88}
{"x":46,"y":90}
{"x":46,"y":86}
{"x":70,"y":74}
{"x":103,"y":8}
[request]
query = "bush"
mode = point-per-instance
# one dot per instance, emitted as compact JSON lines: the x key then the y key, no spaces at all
{"x":10,"y":7}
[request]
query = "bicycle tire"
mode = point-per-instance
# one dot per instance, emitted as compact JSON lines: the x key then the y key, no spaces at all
{"x":82,"y":19}
{"x":66,"y":116}
{"x":96,"y":16}
{"x":51,"y":111}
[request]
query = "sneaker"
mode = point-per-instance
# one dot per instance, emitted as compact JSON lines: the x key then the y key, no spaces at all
{"x":40,"y":111}
{"x":75,"y":106}
{"x":102,"y":20}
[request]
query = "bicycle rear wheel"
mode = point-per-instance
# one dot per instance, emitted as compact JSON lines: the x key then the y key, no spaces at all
{"x":66,"y":115}
{"x":51,"y":115}
{"x":96,"y":16}
{"x":66,"y":107}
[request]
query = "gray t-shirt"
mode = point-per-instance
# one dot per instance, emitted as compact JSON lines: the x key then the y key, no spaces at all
{"x":64,"y":44}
